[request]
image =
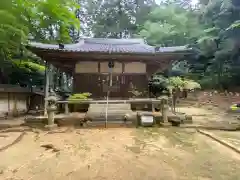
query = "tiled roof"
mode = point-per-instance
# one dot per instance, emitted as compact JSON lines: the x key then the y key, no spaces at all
{"x":109,"y":46}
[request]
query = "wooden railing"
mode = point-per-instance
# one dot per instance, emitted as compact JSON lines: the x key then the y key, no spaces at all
{"x":151,"y":101}
{"x":111,"y":101}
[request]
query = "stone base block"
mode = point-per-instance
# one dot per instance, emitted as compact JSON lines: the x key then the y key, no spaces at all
{"x":51,"y":127}
{"x":188,"y":119}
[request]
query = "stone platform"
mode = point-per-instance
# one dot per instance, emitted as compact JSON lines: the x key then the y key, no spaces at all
{"x":118,"y":115}
{"x":59,"y":119}
{"x":115,"y":112}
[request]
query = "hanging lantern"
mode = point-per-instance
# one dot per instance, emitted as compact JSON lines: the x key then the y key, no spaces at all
{"x":111,"y":64}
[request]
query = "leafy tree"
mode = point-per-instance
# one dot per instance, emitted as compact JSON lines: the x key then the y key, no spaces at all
{"x":39,"y":20}
{"x":171,"y":25}
{"x":26,"y":72}
{"x":13,"y":30}
{"x":114,"y":18}
{"x":212,"y":28}
{"x":219,"y":44}
{"x":160,"y":84}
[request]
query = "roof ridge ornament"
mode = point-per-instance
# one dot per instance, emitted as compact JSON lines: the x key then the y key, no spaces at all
{"x":156,"y":48}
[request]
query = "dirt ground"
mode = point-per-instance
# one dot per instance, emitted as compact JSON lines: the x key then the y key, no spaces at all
{"x":212,"y":117}
{"x":124,"y":153}
{"x":117,"y":154}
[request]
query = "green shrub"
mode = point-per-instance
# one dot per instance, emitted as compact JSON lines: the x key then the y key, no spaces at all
{"x":80,"y":96}
{"x":28,"y":65}
{"x":178,"y":82}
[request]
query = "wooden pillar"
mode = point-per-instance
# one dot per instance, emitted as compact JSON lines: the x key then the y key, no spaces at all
{"x":60,"y":80}
{"x":65,"y":85}
{"x":56,"y":77}
{"x":46,"y":88}
{"x":71,"y":82}
{"x":51,"y":77}
{"x":67,"y":80}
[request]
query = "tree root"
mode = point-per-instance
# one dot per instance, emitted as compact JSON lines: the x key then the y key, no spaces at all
{"x":15,"y":130}
{"x":205,"y":127}
{"x":216,"y":139}
{"x":50,"y":147}
{"x":17,"y":140}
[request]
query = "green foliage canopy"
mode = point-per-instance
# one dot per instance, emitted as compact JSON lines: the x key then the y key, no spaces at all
{"x":170,"y":25}
{"x":36,"y":20}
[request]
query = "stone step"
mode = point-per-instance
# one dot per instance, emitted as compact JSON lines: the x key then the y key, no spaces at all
{"x":112,"y":124}
{"x":97,"y":119}
{"x":116,"y":112}
{"x":116,"y":104}
{"x":109,"y":110}
{"x":110,"y":106}
{"x":111,"y":117}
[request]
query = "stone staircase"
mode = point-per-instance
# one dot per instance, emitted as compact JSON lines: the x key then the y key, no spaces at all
{"x":116,"y":112}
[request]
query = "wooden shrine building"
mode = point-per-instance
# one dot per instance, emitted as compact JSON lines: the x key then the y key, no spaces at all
{"x":88,"y":62}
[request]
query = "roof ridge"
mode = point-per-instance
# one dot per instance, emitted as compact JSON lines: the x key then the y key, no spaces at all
{"x":114,"y":41}
{"x":104,"y":45}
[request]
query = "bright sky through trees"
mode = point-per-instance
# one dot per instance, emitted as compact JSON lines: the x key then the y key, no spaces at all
{"x":193,"y":1}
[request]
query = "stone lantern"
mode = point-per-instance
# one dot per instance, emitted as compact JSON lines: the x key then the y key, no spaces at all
{"x":51,"y":109}
{"x":164,"y":107}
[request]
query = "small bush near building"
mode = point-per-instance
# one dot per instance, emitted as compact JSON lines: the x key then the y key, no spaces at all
{"x":80,"y":96}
